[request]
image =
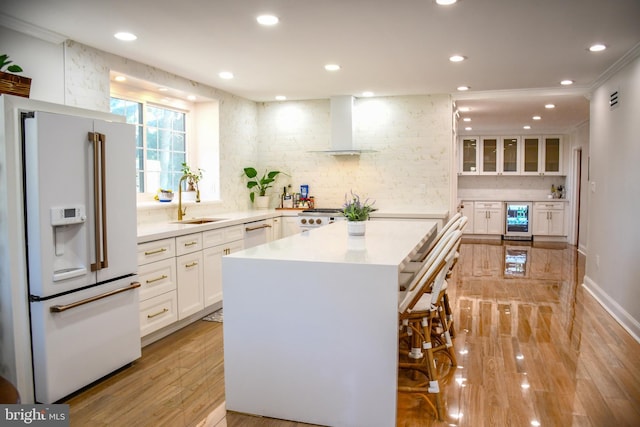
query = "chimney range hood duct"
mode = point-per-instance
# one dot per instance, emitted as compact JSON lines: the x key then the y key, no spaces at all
{"x":342,"y":128}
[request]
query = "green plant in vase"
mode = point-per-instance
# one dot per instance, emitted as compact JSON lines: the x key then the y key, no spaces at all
{"x":259,"y":185}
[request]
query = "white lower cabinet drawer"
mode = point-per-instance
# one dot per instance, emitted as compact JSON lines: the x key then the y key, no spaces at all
{"x":158,"y":312}
{"x":156,"y":251}
{"x":157,"y":278}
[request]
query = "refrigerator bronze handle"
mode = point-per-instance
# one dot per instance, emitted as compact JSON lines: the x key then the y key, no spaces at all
{"x":103,"y":177}
{"x":93,"y":138}
{"x":61,"y":308}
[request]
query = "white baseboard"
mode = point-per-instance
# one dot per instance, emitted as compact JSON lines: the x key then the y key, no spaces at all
{"x":625,"y":320}
{"x":582,"y":249}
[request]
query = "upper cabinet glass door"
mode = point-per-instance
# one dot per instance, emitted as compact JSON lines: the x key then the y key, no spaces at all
{"x":469,"y":156}
{"x":552,"y":155}
{"x":510,"y":158}
{"x":489,"y":155}
{"x":531,"y":155}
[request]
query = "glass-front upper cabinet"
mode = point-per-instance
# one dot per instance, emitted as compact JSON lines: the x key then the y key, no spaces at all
{"x":541,"y":155}
{"x":468,"y":156}
{"x":489,"y":156}
{"x":552,"y":155}
{"x":510,"y":156}
{"x":531,"y":149}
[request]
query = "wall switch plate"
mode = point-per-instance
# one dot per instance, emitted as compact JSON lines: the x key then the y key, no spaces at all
{"x":593,"y":186}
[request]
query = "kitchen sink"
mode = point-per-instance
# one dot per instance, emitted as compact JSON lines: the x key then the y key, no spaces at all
{"x":199,"y":221}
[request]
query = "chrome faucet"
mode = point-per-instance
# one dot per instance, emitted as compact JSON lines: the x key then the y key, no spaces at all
{"x":181,"y":212}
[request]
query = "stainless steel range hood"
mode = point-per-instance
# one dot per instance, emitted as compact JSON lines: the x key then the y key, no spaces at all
{"x":342,"y":128}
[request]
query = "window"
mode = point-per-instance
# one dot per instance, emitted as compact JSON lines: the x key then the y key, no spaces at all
{"x":161,"y":143}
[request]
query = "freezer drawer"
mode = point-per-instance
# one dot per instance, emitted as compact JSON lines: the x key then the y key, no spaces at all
{"x":77,"y":345}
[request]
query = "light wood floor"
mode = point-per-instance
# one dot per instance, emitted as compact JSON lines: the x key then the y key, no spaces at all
{"x":533,"y":347}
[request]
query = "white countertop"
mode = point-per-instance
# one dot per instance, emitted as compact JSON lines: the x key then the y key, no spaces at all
{"x":385,"y":243}
{"x":162,"y":230}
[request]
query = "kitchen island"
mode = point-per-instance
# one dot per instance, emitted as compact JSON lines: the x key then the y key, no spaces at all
{"x":310,"y":324}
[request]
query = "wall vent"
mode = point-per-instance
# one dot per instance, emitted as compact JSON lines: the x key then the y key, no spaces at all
{"x":614,"y":100}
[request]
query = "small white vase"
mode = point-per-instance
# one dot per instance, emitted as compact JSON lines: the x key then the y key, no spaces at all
{"x":356,"y":228}
{"x":262,"y":202}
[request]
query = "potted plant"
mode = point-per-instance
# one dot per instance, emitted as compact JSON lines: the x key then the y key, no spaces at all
{"x":356,"y":212}
{"x":192,"y":178}
{"x":260,"y":185}
{"x":13,"y":84}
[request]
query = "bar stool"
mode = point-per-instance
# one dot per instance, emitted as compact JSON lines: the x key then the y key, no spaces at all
{"x":423,"y":322}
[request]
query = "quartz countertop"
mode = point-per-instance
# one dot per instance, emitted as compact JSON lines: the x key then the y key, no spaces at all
{"x":385,"y":243}
{"x":162,"y":230}
{"x":148,"y":232}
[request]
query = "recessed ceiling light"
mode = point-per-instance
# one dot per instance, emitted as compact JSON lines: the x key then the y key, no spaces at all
{"x":281,"y":98}
{"x":466,"y":119}
{"x":549,"y":106}
{"x":457,"y":58}
{"x":465,"y":109}
{"x":536,"y":118}
{"x":267,"y":20}
{"x":468,"y":128}
{"x":445,"y":2}
{"x":526,"y":127}
{"x":332,"y":67}
{"x":367,"y":94}
{"x":124,"y":36}
{"x":463,"y":88}
{"x":566,"y":82}
{"x":191,"y":97}
{"x":120,"y":78}
{"x":598,"y":47}
{"x":225,"y":75}
{"x":162,"y":89}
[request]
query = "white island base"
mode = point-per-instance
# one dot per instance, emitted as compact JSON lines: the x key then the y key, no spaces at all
{"x":310,"y":324}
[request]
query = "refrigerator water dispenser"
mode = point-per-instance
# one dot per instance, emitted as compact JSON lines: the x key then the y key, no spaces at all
{"x":70,"y":240}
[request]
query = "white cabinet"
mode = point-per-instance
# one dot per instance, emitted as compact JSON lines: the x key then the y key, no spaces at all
{"x":190,"y":271}
{"x":157,"y":276}
{"x":488,"y":218}
{"x":499,"y":155}
{"x":468,"y":155}
{"x":276,"y":231}
{"x":290,"y":226}
{"x":219,"y":242}
{"x":541,"y":155}
{"x":467,"y":209}
{"x":548,"y":219}
{"x":510,"y":155}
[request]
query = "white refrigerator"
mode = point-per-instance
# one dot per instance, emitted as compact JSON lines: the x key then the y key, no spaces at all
{"x":80,"y":208}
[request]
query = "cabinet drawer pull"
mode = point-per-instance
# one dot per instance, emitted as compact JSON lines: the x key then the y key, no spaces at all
{"x":157,"y":251}
{"x":191,"y":243}
{"x":151,"y":316}
{"x":164,"y":276}
{"x":191,"y":264}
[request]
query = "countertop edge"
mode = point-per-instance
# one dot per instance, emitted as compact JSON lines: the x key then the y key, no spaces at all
{"x":164,"y":230}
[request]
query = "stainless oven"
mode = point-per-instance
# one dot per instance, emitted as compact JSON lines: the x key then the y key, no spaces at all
{"x":518,"y":220}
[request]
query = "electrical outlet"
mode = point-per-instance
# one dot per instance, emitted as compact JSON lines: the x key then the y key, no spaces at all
{"x":593,"y":186}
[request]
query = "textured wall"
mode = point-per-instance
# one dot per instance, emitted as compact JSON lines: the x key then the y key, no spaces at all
{"x":411,"y":135}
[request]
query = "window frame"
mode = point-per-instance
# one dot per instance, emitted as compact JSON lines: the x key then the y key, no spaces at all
{"x":149,"y":100}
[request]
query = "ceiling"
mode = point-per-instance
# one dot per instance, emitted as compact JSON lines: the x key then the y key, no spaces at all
{"x":517,"y":51}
